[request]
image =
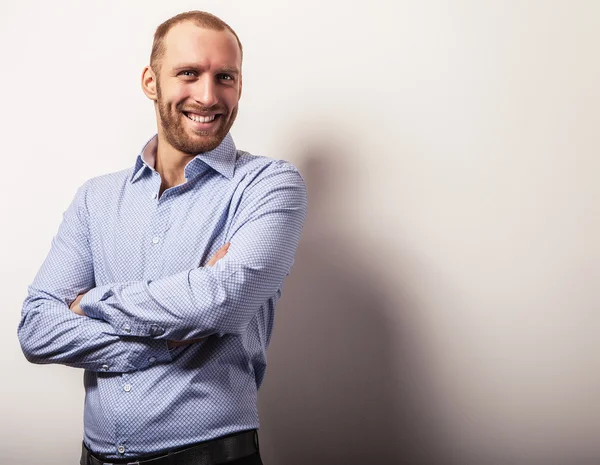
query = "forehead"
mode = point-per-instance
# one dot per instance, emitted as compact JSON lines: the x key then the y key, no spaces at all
{"x":188,"y":43}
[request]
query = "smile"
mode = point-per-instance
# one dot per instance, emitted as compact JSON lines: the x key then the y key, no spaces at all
{"x":200,"y":119}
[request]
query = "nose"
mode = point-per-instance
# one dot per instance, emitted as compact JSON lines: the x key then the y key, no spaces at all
{"x":205,"y":92}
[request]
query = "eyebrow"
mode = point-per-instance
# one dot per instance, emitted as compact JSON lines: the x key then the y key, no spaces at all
{"x":230,"y":70}
{"x":226,"y":69}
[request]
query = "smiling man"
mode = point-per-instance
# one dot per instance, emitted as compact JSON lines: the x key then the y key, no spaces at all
{"x":172,"y":342}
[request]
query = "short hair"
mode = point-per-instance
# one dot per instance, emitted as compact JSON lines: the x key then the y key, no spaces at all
{"x":199,"y":18}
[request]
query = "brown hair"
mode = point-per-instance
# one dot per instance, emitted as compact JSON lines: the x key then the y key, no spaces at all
{"x":200,"y":18}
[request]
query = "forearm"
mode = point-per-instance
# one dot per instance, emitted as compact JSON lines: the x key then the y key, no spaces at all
{"x":191,"y":304}
{"x":224,"y":298}
{"x":50,"y":333}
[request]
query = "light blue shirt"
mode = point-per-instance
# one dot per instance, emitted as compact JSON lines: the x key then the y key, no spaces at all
{"x":143,"y":258}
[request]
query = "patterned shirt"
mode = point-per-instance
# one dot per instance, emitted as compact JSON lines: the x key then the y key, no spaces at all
{"x":141,"y":256}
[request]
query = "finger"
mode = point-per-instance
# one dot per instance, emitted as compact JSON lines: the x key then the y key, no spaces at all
{"x":173,"y":344}
{"x":219,"y":254}
{"x":77,"y":310}
{"x":76,"y":301}
{"x":213,"y":259}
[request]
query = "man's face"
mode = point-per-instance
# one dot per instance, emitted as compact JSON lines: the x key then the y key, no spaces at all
{"x":198,"y":87}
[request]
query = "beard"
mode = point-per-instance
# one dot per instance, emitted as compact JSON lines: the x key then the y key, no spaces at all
{"x":177,"y":135}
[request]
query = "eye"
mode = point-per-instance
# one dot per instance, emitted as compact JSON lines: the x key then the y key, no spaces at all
{"x":225,"y":77}
{"x":187,"y":73}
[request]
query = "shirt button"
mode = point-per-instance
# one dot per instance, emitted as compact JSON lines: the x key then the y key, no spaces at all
{"x":121,"y":449}
{"x":152,"y":360}
{"x":127,"y":328}
{"x":105,"y":367}
{"x":127,"y":387}
{"x":156,"y":330}
{"x":156,"y":240}
{"x":154,"y":195}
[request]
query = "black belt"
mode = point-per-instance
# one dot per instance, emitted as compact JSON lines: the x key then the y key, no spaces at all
{"x":220,"y":450}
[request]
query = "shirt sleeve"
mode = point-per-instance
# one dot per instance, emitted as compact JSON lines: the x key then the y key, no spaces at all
{"x":221,"y":299}
{"x":49,"y":332}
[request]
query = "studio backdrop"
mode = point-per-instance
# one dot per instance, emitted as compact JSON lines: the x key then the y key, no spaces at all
{"x":444,"y":303}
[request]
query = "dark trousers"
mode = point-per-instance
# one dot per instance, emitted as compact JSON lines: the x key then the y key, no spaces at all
{"x":250,"y":460}
{"x":253,"y":459}
{"x":214,"y":452}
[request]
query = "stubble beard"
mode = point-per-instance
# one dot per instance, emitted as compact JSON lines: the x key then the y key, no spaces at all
{"x":177,"y":135}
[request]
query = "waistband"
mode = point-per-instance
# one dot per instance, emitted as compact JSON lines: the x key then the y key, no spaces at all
{"x":215,"y":451}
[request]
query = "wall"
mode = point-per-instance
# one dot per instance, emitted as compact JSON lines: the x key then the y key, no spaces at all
{"x":444,"y":303}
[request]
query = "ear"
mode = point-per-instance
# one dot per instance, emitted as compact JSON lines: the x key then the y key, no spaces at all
{"x":240,"y":95}
{"x":149,"y":83}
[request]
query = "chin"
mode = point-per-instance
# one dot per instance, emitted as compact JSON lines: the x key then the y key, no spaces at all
{"x":200,"y":144}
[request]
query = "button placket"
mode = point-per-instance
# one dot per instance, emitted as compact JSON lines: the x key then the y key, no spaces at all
{"x":159,"y":224}
{"x":160,"y":220}
{"x":124,"y":402}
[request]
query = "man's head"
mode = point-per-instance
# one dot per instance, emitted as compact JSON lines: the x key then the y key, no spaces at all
{"x":195,"y":80}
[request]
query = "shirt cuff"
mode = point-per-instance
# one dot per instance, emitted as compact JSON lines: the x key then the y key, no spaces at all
{"x":90,"y":302}
{"x":144,"y":353}
{"x":149,"y":352}
{"x":102,"y":303}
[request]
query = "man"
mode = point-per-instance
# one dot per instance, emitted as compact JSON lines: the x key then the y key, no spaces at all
{"x":173,"y":343}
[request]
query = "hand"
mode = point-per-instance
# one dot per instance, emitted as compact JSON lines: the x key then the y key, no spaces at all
{"x":173,"y":344}
{"x":75,"y":308}
{"x":219,"y":254}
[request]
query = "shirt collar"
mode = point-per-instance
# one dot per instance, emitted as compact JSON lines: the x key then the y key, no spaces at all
{"x":221,"y":159}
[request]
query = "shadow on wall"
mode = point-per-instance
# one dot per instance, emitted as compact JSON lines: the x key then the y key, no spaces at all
{"x":343,"y":385}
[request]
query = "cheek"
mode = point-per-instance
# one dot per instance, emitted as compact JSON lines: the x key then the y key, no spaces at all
{"x":231,"y":100}
{"x":177,"y":96}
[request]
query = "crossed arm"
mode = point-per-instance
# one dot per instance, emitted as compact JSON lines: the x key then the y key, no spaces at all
{"x":219,"y":254}
{"x":128,"y":325}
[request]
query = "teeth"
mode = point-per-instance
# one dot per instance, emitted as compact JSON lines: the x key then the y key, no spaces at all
{"x":200,"y":119}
